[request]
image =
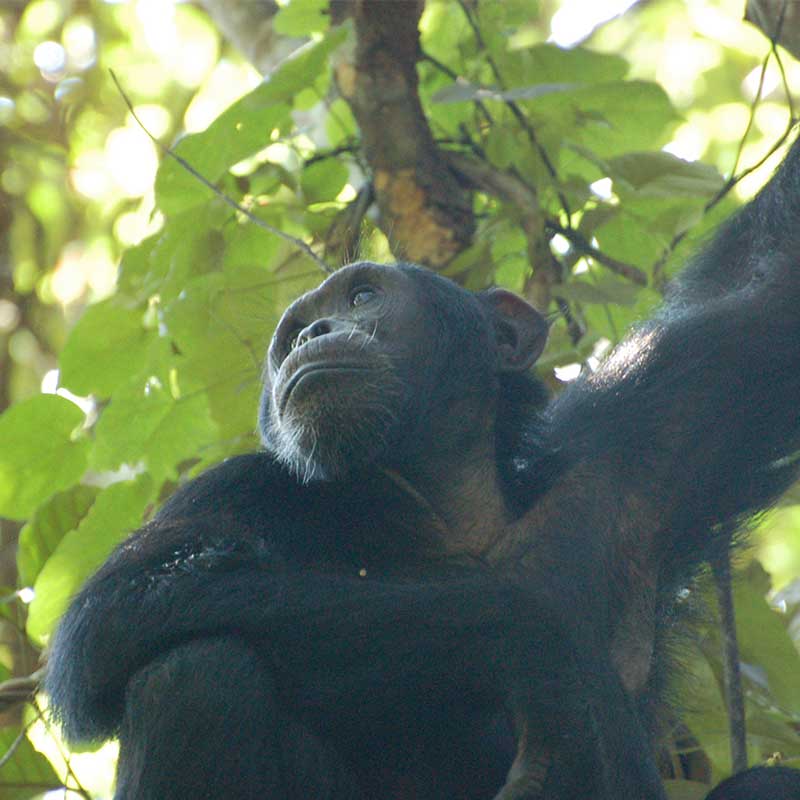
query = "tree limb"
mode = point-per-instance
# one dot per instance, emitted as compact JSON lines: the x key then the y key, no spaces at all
{"x":424,"y":211}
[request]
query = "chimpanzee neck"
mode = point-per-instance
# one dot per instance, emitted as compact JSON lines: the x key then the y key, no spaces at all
{"x":465,"y":493}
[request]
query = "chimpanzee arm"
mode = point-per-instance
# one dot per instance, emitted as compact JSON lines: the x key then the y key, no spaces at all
{"x":691,"y":425}
{"x":693,"y":422}
{"x":697,"y":412}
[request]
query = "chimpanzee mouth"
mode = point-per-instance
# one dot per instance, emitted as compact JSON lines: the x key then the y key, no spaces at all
{"x":315,"y":366}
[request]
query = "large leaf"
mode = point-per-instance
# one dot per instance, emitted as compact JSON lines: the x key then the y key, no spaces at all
{"x":302,"y":17}
{"x":107,"y":346}
{"x":323,"y":180}
{"x":162,"y":264}
{"x":706,"y":715}
{"x":663,"y":175}
{"x":607,"y":290}
{"x":151,"y":425}
{"x":222,"y":336}
{"x":41,"y":535}
{"x":608,"y":118}
{"x":242,"y":130}
{"x":26,"y":773}
{"x":40,"y":453}
{"x":461,"y":92}
{"x":765,"y":642}
{"x":549,"y":63}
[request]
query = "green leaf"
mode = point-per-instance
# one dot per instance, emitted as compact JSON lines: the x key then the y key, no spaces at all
{"x":549,"y":63}
{"x":627,"y":239}
{"x":302,"y":17}
{"x":39,"y":454}
{"x":340,"y":124}
{"x":41,"y":535}
{"x":608,"y":118}
{"x":162,"y":263}
{"x":116,"y":512}
{"x":503,"y":146}
{"x":771,"y":731}
{"x":222,"y":336}
{"x":248,"y":246}
{"x":323,"y":180}
{"x":706,"y":714}
{"x":242,"y":130}
{"x":27,"y":773}
{"x":659,"y":174}
{"x":148,"y":424}
{"x":107,"y":345}
{"x":764,"y":642}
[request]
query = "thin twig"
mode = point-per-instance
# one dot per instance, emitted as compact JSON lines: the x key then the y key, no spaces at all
{"x":522,"y":120}
{"x":735,"y":177}
{"x":732,"y":671}
{"x":15,"y":691}
{"x":512,"y":189}
{"x":78,"y":787}
{"x":299,"y":243}
{"x":9,"y":754}
{"x":322,"y":155}
{"x":479,"y":104}
{"x":581,"y":243}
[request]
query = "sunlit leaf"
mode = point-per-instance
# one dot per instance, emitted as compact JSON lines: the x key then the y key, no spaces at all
{"x":463,"y":92}
{"x":323,"y":180}
{"x":607,"y":291}
{"x":664,"y":175}
{"x":148,"y":424}
{"x":41,"y":535}
{"x":302,"y":17}
{"x":548,"y":63}
{"x":765,"y":642}
{"x":106,"y":346}
{"x":26,"y":773}
{"x":242,"y":130}
{"x":39,"y":452}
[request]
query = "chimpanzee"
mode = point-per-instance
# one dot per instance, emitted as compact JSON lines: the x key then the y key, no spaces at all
{"x":428,"y":548}
{"x":355,"y":558}
{"x":769,"y":783}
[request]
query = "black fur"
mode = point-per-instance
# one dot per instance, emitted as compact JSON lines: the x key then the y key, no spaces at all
{"x":374,"y":656}
{"x":769,"y":783}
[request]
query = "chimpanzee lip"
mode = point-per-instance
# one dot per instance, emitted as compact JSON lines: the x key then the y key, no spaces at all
{"x":315,"y":366}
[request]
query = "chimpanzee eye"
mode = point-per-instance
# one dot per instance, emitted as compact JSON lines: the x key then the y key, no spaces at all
{"x":361,"y":295}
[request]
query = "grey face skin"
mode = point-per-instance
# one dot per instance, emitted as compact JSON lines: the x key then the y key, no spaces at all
{"x":388,"y":365}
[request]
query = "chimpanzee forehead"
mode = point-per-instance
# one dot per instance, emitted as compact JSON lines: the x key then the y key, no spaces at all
{"x":350,"y":276}
{"x":364,"y":270}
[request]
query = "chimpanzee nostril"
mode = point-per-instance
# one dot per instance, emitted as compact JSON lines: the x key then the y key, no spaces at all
{"x":312,"y":331}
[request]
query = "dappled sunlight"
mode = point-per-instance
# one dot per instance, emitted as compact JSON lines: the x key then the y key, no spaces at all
{"x":626,"y":357}
{"x":132,"y":160}
{"x":83,"y":269}
{"x":94,"y":770}
{"x":576,"y":19}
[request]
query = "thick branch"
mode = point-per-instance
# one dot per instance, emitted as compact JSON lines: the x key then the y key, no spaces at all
{"x":424,"y":211}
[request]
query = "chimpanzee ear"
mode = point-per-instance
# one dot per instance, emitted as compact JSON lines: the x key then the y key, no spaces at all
{"x":520,"y":330}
